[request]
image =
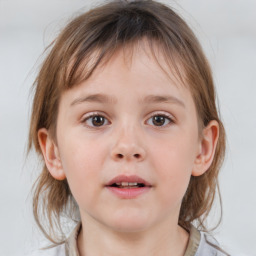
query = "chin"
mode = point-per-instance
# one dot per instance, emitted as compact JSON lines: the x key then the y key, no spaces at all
{"x":129,"y":222}
{"x":132,"y":228}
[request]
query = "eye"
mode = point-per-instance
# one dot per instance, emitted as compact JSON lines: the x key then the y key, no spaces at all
{"x":95,"y":120}
{"x":160,"y":120}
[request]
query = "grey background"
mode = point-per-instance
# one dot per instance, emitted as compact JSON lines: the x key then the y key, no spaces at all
{"x":227,"y":31}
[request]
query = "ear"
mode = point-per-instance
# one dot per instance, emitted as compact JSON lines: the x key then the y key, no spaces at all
{"x":51,"y":154}
{"x":207,"y":148}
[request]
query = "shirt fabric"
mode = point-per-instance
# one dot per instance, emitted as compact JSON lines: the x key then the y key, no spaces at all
{"x":199,"y":244}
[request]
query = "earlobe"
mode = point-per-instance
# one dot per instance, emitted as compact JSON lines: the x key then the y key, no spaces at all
{"x":207,"y":148}
{"x":51,"y":154}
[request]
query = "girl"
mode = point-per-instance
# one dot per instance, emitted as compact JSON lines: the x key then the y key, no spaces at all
{"x":124,"y":116}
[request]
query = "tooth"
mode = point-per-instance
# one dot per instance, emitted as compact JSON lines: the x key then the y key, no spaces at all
{"x":133,"y":183}
{"x":124,"y":183}
{"x":118,"y":184}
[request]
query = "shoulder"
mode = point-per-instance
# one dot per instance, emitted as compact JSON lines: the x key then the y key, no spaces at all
{"x":69,"y":247}
{"x":202,"y":244}
{"x":55,"y":251}
{"x":209,"y":246}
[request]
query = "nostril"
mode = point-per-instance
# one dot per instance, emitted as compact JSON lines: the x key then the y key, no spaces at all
{"x":120,"y":156}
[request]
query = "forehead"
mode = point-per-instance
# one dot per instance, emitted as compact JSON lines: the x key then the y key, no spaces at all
{"x":141,"y":62}
{"x":145,"y":71}
{"x":147,"y":50}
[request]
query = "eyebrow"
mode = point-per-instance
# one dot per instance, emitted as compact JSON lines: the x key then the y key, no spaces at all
{"x":108,"y":99}
{"x":163,"y":99}
{"x":100,"y":98}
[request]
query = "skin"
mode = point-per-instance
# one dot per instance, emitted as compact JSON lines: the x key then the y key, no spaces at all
{"x":129,"y":142}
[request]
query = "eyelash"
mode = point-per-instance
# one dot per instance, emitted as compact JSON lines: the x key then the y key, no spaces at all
{"x":167,"y":117}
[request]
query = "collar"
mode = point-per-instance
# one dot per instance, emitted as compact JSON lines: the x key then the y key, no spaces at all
{"x":72,"y":250}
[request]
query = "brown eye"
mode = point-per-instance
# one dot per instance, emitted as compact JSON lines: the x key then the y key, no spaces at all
{"x":159,"y":120}
{"x":98,"y":120}
{"x":95,"y":121}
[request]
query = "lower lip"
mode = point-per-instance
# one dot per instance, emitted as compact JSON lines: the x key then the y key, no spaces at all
{"x":129,"y":193}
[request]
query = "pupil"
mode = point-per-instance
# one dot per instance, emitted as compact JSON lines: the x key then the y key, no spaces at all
{"x":158,"y":120}
{"x":98,"y":120}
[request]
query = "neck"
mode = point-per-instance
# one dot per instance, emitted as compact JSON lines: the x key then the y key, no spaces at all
{"x":161,"y":240}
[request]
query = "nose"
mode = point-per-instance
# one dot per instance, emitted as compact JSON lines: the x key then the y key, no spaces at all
{"x":128,"y":147}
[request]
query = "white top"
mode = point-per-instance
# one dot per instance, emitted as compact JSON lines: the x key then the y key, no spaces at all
{"x":200,"y":244}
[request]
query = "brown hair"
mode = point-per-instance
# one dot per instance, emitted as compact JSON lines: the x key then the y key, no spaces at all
{"x":91,"y":39}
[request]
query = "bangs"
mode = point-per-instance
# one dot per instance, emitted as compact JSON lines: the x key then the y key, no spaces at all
{"x":92,"y":39}
{"x":83,"y":63}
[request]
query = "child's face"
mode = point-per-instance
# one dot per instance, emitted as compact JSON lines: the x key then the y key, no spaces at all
{"x":130,"y":134}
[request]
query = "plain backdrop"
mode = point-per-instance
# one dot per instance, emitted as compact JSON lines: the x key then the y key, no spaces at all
{"x":227,"y":31}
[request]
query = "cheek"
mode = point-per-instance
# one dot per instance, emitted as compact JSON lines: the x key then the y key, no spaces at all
{"x":82,"y":164}
{"x":176,"y":152}
{"x":80,"y":154}
{"x":173,"y":162}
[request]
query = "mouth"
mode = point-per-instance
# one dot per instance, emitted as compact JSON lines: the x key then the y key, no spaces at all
{"x":133,"y":181}
{"x":125,"y":184}
{"x":128,"y":187}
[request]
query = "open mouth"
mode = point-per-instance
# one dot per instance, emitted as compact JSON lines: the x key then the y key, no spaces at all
{"x":128,"y":185}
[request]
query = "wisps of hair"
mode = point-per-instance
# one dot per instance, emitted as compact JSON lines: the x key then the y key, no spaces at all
{"x":89,"y":41}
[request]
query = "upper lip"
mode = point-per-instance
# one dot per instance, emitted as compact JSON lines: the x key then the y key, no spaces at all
{"x":130,"y":178}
